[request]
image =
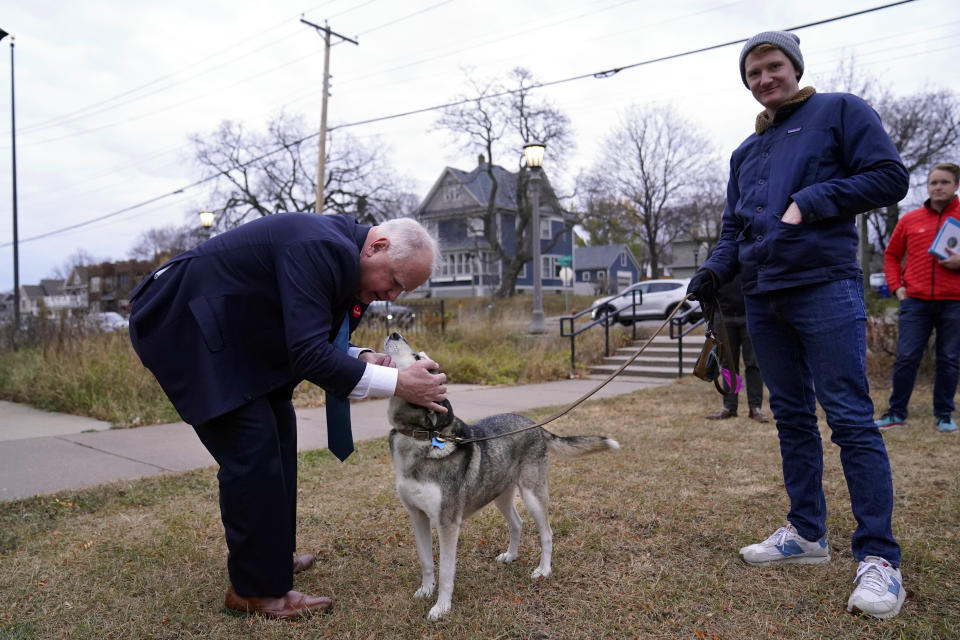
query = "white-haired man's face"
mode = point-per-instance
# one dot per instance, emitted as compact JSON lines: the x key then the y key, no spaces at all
{"x":384,"y":278}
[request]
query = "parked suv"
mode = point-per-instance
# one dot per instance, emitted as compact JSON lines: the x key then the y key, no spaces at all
{"x":106,"y":321}
{"x":656,"y":299}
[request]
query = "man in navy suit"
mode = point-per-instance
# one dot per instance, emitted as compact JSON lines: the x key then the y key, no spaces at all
{"x":231,"y":327}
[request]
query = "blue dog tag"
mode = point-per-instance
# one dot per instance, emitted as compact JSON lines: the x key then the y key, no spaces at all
{"x":438,"y":444}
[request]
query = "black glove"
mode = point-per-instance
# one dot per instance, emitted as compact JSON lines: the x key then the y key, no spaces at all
{"x":703,"y":286}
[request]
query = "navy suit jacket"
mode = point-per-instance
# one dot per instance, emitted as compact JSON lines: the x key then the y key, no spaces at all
{"x":251,"y":310}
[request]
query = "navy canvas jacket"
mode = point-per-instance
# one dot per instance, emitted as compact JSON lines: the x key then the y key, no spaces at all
{"x":251,"y":310}
{"x":833,"y":158}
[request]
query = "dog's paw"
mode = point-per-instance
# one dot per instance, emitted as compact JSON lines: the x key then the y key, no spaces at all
{"x":438,"y":611}
{"x":506,"y":557}
{"x":425,"y":591}
{"x":541,"y":573}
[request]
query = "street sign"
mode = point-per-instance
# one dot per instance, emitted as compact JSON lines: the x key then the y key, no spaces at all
{"x":564,"y":261}
{"x":566,"y":275}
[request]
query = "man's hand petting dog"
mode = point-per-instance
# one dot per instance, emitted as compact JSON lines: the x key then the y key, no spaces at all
{"x":417,"y":385}
{"x":371,"y":357}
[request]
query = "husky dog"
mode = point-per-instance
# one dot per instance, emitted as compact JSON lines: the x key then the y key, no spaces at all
{"x":442,"y":480}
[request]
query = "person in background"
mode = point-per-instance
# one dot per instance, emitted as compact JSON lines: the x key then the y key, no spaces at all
{"x":730,"y":299}
{"x":928,"y":288}
{"x":814,"y":162}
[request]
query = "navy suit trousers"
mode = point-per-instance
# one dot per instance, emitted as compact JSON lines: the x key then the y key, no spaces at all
{"x":256,"y":448}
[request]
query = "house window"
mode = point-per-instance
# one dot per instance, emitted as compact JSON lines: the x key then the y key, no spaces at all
{"x":124,"y":280}
{"x":545,"y":233}
{"x":586,"y":276}
{"x":458,"y":264}
{"x":95,"y":284}
{"x":623,"y":259}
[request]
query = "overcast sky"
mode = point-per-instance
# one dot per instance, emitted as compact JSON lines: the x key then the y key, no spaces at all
{"x":109,"y":91}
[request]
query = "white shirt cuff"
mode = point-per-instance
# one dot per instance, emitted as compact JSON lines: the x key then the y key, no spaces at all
{"x":376,"y":382}
{"x":354,"y":352}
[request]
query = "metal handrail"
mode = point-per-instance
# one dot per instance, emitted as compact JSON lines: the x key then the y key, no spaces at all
{"x":677,"y":322}
{"x":606,"y":320}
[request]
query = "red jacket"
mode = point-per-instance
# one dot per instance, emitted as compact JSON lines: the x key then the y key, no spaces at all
{"x":921,"y":273}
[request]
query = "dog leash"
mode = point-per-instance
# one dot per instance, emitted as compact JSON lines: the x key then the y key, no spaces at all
{"x":576,"y":403}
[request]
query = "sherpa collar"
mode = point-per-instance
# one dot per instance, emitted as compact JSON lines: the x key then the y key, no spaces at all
{"x":788,"y":107}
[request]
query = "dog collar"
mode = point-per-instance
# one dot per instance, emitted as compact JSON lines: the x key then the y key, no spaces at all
{"x":425,"y":434}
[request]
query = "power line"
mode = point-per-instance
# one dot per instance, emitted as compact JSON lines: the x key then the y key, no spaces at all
{"x":598,"y":75}
{"x":80,"y":113}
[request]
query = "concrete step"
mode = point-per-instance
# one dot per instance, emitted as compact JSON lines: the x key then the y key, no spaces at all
{"x":650,"y":380}
{"x":656,"y":361}
{"x":635,"y":371}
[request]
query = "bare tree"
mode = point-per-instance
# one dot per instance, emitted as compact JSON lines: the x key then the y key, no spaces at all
{"x":656,"y":161}
{"x":702,"y":212}
{"x":606,"y":218}
{"x":925,"y":128}
{"x":272,"y":172}
{"x":156,"y":245}
{"x":79,"y":258}
{"x":498,"y":120}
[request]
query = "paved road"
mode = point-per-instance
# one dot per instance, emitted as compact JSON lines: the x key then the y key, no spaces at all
{"x":43,"y":452}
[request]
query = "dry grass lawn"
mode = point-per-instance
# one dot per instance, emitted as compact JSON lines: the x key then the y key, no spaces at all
{"x":645,"y":545}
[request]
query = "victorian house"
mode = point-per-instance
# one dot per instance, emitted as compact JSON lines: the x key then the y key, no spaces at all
{"x":453,"y":212}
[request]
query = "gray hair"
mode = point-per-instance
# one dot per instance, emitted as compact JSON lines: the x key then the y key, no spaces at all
{"x":408,"y":237}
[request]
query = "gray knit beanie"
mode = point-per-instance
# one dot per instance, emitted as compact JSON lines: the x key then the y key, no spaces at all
{"x":783,"y":40}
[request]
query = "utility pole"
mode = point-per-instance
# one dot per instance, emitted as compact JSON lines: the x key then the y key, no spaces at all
{"x":322,"y":160}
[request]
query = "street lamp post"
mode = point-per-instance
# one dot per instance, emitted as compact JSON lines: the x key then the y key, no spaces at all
{"x":696,"y":258}
{"x":13,"y":146}
{"x":533,"y":153}
{"x":206,"y":219}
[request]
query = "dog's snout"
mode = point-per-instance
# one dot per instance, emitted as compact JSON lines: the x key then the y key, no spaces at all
{"x":395,"y":336}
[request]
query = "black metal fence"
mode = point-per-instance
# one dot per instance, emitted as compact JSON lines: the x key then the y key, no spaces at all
{"x":411,"y":315}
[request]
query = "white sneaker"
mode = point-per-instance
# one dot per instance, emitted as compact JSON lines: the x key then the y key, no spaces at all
{"x":786,"y":546}
{"x":880,"y":591}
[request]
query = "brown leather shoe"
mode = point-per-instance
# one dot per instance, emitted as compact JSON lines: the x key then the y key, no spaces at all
{"x":724,"y":414}
{"x":756,"y":414}
{"x":291,"y":606}
{"x":302,"y":562}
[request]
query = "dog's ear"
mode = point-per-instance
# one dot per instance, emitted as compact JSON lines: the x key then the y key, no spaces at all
{"x":442,"y":420}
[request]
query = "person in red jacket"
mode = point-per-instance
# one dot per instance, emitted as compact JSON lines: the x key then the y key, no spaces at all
{"x":928,"y":288}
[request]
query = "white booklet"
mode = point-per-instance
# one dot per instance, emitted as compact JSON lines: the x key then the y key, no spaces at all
{"x":947,"y":238}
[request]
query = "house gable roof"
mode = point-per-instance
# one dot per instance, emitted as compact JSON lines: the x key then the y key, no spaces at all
{"x":599,"y":257}
{"x":52,"y":287}
{"x":478,"y":183}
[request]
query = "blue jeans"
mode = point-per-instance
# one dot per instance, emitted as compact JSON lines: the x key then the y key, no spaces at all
{"x":810,"y":342}
{"x":917,"y":319}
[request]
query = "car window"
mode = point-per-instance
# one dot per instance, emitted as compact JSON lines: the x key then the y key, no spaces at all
{"x":665,"y":286}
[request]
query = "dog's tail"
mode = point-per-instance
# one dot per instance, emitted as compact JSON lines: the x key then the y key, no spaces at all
{"x":572,"y":446}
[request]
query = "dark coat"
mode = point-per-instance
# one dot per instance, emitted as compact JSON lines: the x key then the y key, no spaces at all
{"x":833,"y":158}
{"x":251,"y":310}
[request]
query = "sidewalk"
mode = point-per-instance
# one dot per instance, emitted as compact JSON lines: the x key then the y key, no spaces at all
{"x":44,"y":452}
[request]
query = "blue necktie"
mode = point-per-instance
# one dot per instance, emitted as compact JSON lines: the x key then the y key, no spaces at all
{"x":339,"y":435}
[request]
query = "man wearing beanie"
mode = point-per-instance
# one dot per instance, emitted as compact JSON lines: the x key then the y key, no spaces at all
{"x":814,"y":162}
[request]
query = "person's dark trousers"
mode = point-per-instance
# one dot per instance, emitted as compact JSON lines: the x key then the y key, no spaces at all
{"x":810,"y":342}
{"x":917,"y":319}
{"x":740,"y":345}
{"x":256,"y":448}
